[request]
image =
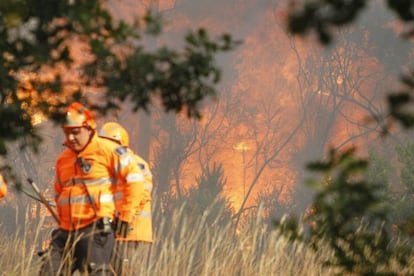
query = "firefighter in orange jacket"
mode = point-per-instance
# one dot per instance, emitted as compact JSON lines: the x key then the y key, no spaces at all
{"x":87,"y":173}
{"x":136,"y":245}
{"x":3,"y":187}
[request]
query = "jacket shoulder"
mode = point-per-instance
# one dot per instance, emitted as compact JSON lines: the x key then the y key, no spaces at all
{"x":113,"y":147}
{"x":121,"y":150}
{"x":142,"y":164}
{"x":65,"y":154}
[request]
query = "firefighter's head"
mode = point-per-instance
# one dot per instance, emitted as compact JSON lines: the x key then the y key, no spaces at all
{"x":116,"y":132}
{"x":79,"y":126}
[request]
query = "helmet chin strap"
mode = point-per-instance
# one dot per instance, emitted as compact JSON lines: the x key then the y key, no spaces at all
{"x":91,"y":134}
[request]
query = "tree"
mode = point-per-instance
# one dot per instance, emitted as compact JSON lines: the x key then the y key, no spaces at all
{"x":203,"y":204}
{"x":324,"y":17}
{"x":337,"y":89}
{"x":351,"y":210}
{"x":41,"y":73}
{"x":186,"y":148}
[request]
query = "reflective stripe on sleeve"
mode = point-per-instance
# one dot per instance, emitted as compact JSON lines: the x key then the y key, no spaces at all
{"x":144,"y":214}
{"x":104,"y":198}
{"x":94,"y":181}
{"x":73,"y":199}
{"x":148,"y":187}
{"x":135,"y":177}
{"x":147,"y":173}
{"x":124,"y":162}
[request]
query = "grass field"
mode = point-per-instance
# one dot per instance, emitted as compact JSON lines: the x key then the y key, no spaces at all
{"x":193,"y":246}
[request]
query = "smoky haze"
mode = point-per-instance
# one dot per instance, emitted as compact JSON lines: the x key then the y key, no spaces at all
{"x":282,"y":102}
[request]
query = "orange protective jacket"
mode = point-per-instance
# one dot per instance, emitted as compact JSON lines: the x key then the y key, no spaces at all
{"x":86,"y":183}
{"x":3,"y":187}
{"x":141,"y":224}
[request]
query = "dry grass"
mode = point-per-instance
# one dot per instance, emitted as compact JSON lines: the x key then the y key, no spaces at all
{"x":18,"y":253}
{"x":190,"y":246}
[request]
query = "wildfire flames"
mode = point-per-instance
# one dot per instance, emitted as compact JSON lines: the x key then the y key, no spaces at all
{"x":282,"y":102}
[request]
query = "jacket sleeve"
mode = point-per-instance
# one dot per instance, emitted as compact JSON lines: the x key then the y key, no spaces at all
{"x":56,"y":185}
{"x":143,"y":166}
{"x":131,"y":177}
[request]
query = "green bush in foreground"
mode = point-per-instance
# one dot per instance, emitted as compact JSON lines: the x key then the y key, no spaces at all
{"x":350,"y":215}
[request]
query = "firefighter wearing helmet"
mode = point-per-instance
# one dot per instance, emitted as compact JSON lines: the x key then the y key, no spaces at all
{"x":87,"y":172}
{"x":139,"y":239}
{"x":3,"y":187}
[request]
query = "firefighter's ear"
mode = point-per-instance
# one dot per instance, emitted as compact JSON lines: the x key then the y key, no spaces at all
{"x":90,"y":130}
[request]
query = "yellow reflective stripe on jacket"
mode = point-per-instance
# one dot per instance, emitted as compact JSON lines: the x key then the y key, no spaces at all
{"x":135,"y":177}
{"x":148,"y":187}
{"x":105,"y":198}
{"x":123,"y":163}
{"x":144,"y":214}
{"x":108,"y":198}
{"x":132,"y":178}
{"x":85,"y":181}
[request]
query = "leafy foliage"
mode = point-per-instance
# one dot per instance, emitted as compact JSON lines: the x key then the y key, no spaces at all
{"x":179,"y":79}
{"x":356,"y":234}
{"x":400,"y":101}
{"x":350,"y":214}
{"x":38,"y":61}
{"x":323,"y":16}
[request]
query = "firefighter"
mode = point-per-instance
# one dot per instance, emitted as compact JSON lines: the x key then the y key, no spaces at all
{"x":3,"y":187}
{"x":135,"y":247}
{"x":87,"y":173}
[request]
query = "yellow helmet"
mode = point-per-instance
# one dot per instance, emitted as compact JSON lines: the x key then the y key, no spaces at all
{"x":116,"y":132}
{"x":79,"y":116}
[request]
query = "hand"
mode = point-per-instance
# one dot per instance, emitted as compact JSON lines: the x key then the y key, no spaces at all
{"x":122,"y":228}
